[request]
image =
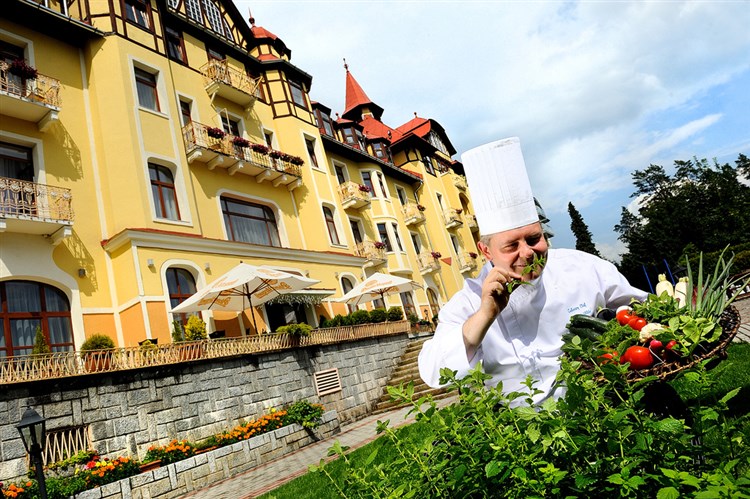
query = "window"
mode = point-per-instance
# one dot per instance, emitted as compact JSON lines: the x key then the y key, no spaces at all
{"x":432,"y":299}
{"x":324,"y":122}
{"x":408,"y":302}
{"x":435,"y":140}
{"x":428,"y":166}
{"x":383,"y":233}
{"x":339,"y":173}
{"x":310,"y":144}
{"x":398,"y":238}
{"x":26,"y":306}
{"x":367,"y":180}
{"x":356,"y":230}
{"x":298,"y":93}
{"x":137,"y":11}
{"x":175,"y":46}
{"x":231,"y":126}
{"x":16,"y":163}
{"x":416,"y":241}
{"x":185,"y":113}
{"x":193,"y":9}
{"x":281,"y":314}
{"x":214,"y":16}
{"x":250,"y":222}
{"x":181,"y":286}
{"x":268,"y":136}
{"x":163,"y":192}
{"x":401,"y":195}
{"x":346,"y":286}
{"x":215,"y":54}
{"x":381,"y":182}
{"x":380,"y":150}
{"x":146,"y":85}
{"x":331,"y":225}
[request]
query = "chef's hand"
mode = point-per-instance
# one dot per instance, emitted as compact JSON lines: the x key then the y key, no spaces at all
{"x":495,"y":297}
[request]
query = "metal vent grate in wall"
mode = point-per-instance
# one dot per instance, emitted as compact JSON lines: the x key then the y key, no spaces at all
{"x":65,"y":442}
{"x":327,"y":381}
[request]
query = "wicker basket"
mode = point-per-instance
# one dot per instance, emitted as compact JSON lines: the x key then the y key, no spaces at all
{"x":729,"y":322}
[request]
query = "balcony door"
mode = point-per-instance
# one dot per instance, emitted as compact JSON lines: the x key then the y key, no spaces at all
{"x":16,"y":164}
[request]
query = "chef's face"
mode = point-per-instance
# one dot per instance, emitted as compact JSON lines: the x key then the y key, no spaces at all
{"x":514,"y":249}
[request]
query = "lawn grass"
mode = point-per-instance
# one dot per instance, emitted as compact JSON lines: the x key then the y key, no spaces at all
{"x":731,"y":374}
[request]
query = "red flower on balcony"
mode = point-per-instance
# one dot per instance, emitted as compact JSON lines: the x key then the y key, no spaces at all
{"x":259,"y":148}
{"x":214,"y":132}
{"x":458,"y":211}
{"x":364,"y":188}
{"x":19,"y":68}
{"x":379,"y":244}
{"x":472,"y":254}
{"x":276,"y":154}
{"x":420,"y":207}
{"x":436,"y":255}
{"x":296,"y":160}
{"x":240,"y":142}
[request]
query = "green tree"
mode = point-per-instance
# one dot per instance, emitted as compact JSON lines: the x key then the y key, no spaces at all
{"x":702,"y":206}
{"x":581,"y":232}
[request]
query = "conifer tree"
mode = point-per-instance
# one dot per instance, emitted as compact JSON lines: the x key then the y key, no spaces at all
{"x":581,"y":232}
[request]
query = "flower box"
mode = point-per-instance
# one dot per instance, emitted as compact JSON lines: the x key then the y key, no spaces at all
{"x":214,"y":132}
{"x":472,"y":254}
{"x":364,"y":188}
{"x":259,"y":148}
{"x":19,"y":68}
{"x":436,"y":254}
{"x":276,"y":154}
{"x":240,"y":142}
{"x":379,"y":244}
{"x":296,"y":160}
{"x":420,"y":207}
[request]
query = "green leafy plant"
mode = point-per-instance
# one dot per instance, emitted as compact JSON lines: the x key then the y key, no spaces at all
{"x":359,"y":317}
{"x":178,"y":333}
{"x":395,"y":314}
{"x":195,"y":329}
{"x":97,"y":342}
{"x":174,"y":451}
{"x":41,"y":347}
{"x":535,"y":265}
{"x":304,"y":413}
{"x":712,"y":291}
{"x":378,"y":315}
{"x":295,"y":329}
{"x":413,"y":319}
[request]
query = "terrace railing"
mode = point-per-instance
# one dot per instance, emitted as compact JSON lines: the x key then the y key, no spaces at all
{"x":20,"y":198}
{"x":44,"y":89}
{"x":25,"y":368}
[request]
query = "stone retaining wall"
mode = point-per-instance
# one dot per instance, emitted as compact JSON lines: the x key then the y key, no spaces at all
{"x":203,"y":470}
{"x":127,"y":411}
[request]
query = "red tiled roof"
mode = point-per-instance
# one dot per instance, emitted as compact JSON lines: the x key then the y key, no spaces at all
{"x":355,"y":96}
{"x":418,"y":126}
{"x":376,"y":129}
{"x":261,"y":32}
{"x":267,"y":57}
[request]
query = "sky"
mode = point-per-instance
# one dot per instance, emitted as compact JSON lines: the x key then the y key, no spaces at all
{"x":594,"y":90}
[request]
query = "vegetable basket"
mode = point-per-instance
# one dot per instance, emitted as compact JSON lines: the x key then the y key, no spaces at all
{"x":667,"y":369}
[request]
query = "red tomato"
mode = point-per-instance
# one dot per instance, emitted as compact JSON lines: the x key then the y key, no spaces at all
{"x":607,"y":357}
{"x":623,"y":316}
{"x":639,"y":358}
{"x":638,"y":324}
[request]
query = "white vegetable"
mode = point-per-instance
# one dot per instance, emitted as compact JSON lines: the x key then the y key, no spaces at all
{"x":648,"y":331}
{"x":664,"y":286}
{"x":681,"y":291}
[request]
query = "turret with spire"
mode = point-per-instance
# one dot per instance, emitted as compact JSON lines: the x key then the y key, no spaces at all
{"x":358,"y":104}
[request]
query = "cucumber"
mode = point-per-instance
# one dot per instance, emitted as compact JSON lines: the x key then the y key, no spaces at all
{"x":588,"y":322}
{"x":584,"y":332}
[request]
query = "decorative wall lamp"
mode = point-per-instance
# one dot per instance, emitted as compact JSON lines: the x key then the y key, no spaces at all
{"x":33,"y":430}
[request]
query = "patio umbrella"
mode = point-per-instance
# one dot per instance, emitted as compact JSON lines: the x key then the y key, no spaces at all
{"x":243,"y":287}
{"x":377,"y":286}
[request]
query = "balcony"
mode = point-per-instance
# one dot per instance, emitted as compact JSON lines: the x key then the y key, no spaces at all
{"x":427,"y":263}
{"x":452,"y":218}
{"x":413,"y":214}
{"x":372,"y":252}
{"x":31,"y":208}
{"x":467,"y":262}
{"x":354,"y":196}
{"x":236,"y":86}
{"x":471,"y":222}
{"x":254,"y":160}
{"x":35,"y":100}
{"x":460,"y":182}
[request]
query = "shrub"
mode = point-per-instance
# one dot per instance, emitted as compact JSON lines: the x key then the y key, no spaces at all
{"x":178,"y":334}
{"x":378,"y":315}
{"x":97,"y":342}
{"x":103,"y":471}
{"x":65,"y":487}
{"x":174,"y":451}
{"x":295,"y":329}
{"x":347,"y":320}
{"x":395,"y":314}
{"x":195,"y":329}
{"x":304,"y":413}
{"x":359,"y":317}
{"x":41,"y":346}
{"x":413,"y":319}
{"x":323,"y":322}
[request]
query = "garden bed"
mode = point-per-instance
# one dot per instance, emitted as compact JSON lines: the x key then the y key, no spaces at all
{"x":208,"y":468}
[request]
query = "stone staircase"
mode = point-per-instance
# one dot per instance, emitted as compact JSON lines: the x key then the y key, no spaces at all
{"x":408,"y":371}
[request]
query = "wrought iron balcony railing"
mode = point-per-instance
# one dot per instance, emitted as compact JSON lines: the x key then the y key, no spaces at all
{"x":24,"y":368}
{"x":452,"y":218}
{"x":427,"y":262}
{"x":29,"y":200}
{"x":413,"y":215}
{"x":372,"y":251}
{"x":202,"y":142}
{"x":471,"y":222}
{"x":465,"y":262}
{"x":353,"y":195}
{"x":43,"y":89}
{"x":222,"y":79}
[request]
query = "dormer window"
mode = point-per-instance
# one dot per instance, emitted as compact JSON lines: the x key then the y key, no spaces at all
{"x":353,"y":137}
{"x":437,"y":142}
{"x":298,"y":93}
{"x":137,"y":11}
{"x":324,"y":122}
{"x":381,"y":151}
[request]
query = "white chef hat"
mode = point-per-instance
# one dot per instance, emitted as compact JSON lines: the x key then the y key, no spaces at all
{"x":499,"y":186}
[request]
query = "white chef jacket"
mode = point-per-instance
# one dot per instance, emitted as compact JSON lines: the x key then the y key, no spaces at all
{"x":526,"y":337}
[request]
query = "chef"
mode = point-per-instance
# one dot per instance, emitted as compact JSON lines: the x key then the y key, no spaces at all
{"x":512,"y":316}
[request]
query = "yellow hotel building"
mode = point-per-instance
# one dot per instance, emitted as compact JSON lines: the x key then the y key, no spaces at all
{"x":149,"y":146}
